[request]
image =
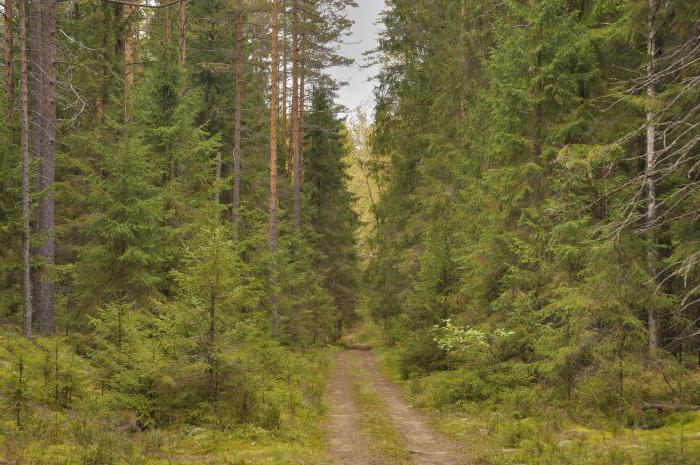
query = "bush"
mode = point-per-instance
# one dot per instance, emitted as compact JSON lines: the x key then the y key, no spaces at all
{"x":418,"y":354}
{"x":442,"y":389}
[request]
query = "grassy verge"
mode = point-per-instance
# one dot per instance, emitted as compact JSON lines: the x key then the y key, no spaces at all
{"x":375,"y":422}
{"x":549,"y":436}
{"x":245,"y":446}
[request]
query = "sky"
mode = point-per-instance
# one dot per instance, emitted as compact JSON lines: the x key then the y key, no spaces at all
{"x":363,"y":37}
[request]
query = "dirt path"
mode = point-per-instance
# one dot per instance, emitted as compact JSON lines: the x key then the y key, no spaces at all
{"x":347,"y":444}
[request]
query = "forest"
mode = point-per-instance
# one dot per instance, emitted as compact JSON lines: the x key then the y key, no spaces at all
{"x":206,"y":258}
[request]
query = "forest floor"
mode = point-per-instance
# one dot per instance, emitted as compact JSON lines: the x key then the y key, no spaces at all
{"x":370,"y":422}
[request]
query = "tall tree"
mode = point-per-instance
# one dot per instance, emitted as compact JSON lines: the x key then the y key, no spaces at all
{"x":237,"y":103}
{"x":182,"y":29}
{"x":128,"y":50}
{"x":43,"y":72}
{"x":650,"y":165}
{"x":24,"y":144}
{"x":274,"y":87}
{"x":167,"y":24}
{"x":296,"y":116}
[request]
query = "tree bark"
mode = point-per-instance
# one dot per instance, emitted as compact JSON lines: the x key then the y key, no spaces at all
{"x":273,"y":127}
{"x":272,"y":239}
{"x":650,"y":168}
{"x":182,"y":20}
{"x":36,"y":12}
{"x":24,"y":143}
{"x":128,"y":55}
{"x":284,"y":101}
{"x":237,"y":102}
{"x":43,"y":42}
{"x":9,"y":46}
{"x":296,"y":116}
{"x":167,"y":26}
{"x":302,"y":98}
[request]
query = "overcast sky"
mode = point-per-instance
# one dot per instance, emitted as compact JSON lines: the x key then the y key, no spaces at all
{"x":358,"y":92}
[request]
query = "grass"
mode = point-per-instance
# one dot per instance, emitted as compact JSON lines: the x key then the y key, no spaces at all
{"x":66,"y":419}
{"x":499,"y":438}
{"x":375,"y":422}
{"x":61,"y":440}
{"x":243,"y":447}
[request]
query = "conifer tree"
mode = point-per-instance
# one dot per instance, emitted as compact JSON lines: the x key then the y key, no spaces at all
{"x":331,"y":214}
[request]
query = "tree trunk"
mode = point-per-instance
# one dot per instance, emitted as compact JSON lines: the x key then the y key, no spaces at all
{"x":36,"y":12}
{"x":650,"y":169}
{"x":167,"y":27}
{"x":272,"y":240}
{"x":284,"y":100}
{"x":182,"y":19}
{"x":128,"y":55}
{"x":302,"y":100}
{"x":9,"y":46}
{"x":273,"y":128}
{"x":43,"y":38}
{"x":24,"y":142}
{"x":236,"y":201}
{"x":296,"y":115}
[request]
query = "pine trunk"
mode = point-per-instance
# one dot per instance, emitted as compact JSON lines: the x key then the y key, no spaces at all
{"x":167,"y":26}
{"x":182,"y":19}
{"x":273,"y":128}
{"x":9,"y":46}
{"x":24,"y":143}
{"x":43,"y":43}
{"x":650,"y":169}
{"x":128,"y":55}
{"x":272,"y":240}
{"x":302,"y":98}
{"x":284,"y":99}
{"x":296,"y":115}
{"x":236,"y":207}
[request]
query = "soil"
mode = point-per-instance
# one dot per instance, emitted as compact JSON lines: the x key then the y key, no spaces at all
{"x":347,"y":444}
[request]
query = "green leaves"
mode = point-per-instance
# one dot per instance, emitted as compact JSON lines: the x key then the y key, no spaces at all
{"x":515,"y":194}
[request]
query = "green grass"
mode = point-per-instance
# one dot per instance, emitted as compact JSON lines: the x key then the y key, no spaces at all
{"x":93,"y":427}
{"x":249,"y":446}
{"x":497,"y":437}
{"x":387,"y":441}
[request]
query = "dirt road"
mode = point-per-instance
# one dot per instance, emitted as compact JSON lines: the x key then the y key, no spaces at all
{"x":349,"y":445}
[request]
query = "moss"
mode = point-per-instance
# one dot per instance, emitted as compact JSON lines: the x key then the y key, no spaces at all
{"x":375,"y":422}
{"x":498,"y":433}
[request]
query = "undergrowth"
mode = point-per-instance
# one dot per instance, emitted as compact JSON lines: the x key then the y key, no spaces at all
{"x":528,"y":424}
{"x":56,"y":410}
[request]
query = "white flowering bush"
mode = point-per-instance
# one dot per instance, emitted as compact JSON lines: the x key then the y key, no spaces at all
{"x":450,"y":337}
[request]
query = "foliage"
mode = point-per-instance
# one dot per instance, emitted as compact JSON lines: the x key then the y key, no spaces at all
{"x":512,"y":261}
